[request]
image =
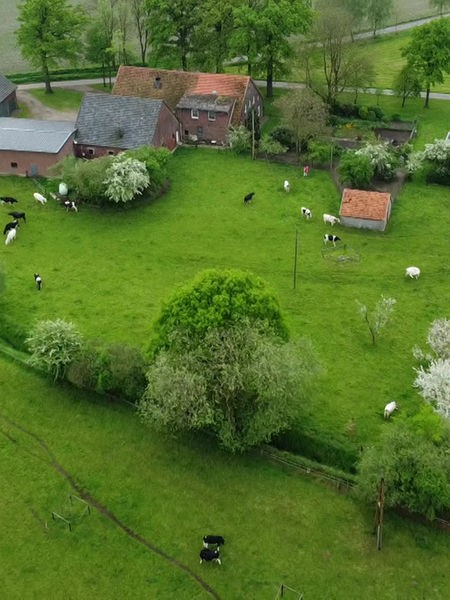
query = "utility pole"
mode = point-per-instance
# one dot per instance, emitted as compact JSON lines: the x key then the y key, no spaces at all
{"x":295,"y":258}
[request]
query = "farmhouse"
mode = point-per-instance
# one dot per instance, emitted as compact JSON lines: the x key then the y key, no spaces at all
{"x":205,"y":104}
{"x":29,"y":147}
{"x":362,"y":209}
{"x":110,"y":124}
{"x":8,"y":100}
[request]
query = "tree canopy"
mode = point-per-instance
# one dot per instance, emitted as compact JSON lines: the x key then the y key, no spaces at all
{"x":240,"y":383}
{"x":50,"y":32}
{"x":217,"y":299}
{"x":429,"y":53}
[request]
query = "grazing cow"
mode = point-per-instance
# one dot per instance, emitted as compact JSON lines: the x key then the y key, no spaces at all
{"x":331,"y":238}
{"x":389,"y":409}
{"x":7,"y":200}
{"x":413,"y":272}
{"x":18,"y":215}
{"x":11,"y":225}
{"x":40,"y":198}
{"x":287,"y":186}
{"x":306,"y":212}
{"x":11,"y":236}
{"x":38,"y":280}
{"x":209,"y":555}
{"x":330,"y":219}
{"x":217,"y":540}
{"x":249,"y":197}
{"x":70,"y":205}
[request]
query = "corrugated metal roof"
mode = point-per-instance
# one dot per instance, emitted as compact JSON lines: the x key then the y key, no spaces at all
{"x":361,"y":204}
{"x":32,"y":135}
{"x":6,"y":87}
{"x":117,"y":121}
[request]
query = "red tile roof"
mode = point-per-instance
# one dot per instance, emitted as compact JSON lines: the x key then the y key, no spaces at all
{"x":173,"y":85}
{"x":361,"y":204}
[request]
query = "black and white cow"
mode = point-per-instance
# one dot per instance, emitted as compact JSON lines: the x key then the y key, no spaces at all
{"x":216,"y":540}
{"x":38,"y":280}
{"x":209,"y":555}
{"x":249,"y":197}
{"x":12,"y":225}
{"x":331,"y":238}
{"x":306,"y":212}
{"x":18,"y":215}
{"x":7,"y":200}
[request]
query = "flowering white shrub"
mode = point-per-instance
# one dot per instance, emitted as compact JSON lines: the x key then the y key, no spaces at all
{"x":414,"y":162}
{"x":125,"y":179}
{"x":434,"y":385}
{"x":381,"y":157}
{"x":438,"y":151}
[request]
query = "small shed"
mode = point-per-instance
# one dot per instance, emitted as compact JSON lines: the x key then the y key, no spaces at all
{"x":30,"y":146}
{"x":365,"y":210}
{"x":8,"y":99}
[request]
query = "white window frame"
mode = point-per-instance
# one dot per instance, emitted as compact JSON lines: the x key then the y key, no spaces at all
{"x":211,"y":115}
{"x":194,"y":113}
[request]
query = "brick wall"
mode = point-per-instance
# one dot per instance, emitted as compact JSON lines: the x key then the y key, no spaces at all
{"x":31,"y":163}
{"x":203,"y":128}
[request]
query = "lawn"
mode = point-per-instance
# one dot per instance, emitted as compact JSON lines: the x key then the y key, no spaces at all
{"x":109,"y":271}
{"x":278,"y":526}
{"x":61,"y":99}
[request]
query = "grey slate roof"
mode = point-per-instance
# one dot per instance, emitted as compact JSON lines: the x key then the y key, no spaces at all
{"x":6,"y":87}
{"x":117,"y":121}
{"x":32,"y":135}
{"x":211,"y":102}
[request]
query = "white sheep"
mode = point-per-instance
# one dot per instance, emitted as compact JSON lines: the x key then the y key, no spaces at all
{"x":389,"y":409}
{"x":40,"y":198}
{"x":11,"y":236}
{"x":287,"y":186}
{"x":413,"y":272}
{"x":330,"y":219}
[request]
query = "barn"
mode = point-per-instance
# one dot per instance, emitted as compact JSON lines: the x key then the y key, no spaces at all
{"x":29,"y":146}
{"x":364,"y":209}
{"x":8,"y":99}
{"x":110,"y":124}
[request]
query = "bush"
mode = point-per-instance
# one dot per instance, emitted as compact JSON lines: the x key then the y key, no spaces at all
{"x":121,"y":372}
{"x":156,"y":161}
{"x":396,"y":117}
{"x":85,"y":178}
{"x":125,"y":178}
{"x":363,"y":112}
{"x":239,"y":139}
{"x":284,"y":136}
{"x":349,"y":111}
{"x":355,"y":171}
{"x":53,"y":346}
{"x":320,"y":153}
{"x":379,"y":112}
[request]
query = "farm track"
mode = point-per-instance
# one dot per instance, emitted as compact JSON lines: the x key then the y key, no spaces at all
{"x":45,"y":455}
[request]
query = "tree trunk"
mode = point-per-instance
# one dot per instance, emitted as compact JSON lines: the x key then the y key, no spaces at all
{"x":46,"y":74}
{"x":427,"y":97}
{"x":404,"y":100}
{"x":269,"y":87}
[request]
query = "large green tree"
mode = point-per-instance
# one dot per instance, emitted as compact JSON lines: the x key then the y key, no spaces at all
{"x":263,"y":29}
{"x":407,"y":83}
{"x":173,"y":27}
{"x":212,"y":38}
{"x":50,"y":32}
{"x":240,"y":383}
{"x":441,"y":5}
{"x":378,"y":13}
{"x":217,"y":299}
{"x":305,"y":114}
{"x":428,"y":53}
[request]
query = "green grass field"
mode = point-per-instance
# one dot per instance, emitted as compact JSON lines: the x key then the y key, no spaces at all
{"x":110,"y":271}
{"x":61,"y":99}
{"x":279,"y":526}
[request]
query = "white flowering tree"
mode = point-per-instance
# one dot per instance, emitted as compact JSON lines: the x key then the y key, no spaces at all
{"x":436,"y":157}
{"x":125,"y":179}
{"x":53,"y":346}
{"x":378,"y":318}
{"x":433,"y":377}
{"x":381,"y":157}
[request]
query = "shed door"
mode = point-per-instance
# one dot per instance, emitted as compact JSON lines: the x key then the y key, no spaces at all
{"x":34,"y":171}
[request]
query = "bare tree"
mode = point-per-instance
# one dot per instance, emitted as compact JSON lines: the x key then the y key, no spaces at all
{"x":141,"y":22}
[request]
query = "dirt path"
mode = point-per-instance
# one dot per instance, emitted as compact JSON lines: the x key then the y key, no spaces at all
{"x":40,"y":111}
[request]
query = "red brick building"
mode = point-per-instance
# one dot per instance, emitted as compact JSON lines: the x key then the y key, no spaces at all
{"x":29,"y":147}
{"x":205,"y":104}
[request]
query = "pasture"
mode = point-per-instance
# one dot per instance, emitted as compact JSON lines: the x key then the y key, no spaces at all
{"x":109,"y":271}
{"x":278,"y":526}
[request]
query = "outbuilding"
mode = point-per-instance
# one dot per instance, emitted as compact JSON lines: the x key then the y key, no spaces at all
{"x":30,"y":146}
{"x":365,"y":209}
{"x":109,"y":124}
{"x":8,"y":98}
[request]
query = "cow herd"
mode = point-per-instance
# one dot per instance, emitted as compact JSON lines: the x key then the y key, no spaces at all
{"x":11,"y":228}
